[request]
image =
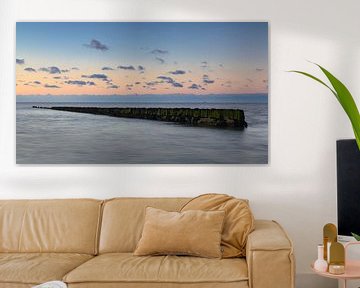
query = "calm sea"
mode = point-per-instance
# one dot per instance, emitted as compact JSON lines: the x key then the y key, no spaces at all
{"x":56,"y":137}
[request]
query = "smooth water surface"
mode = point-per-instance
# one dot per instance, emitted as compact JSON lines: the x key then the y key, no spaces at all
{"x":56,"y":137}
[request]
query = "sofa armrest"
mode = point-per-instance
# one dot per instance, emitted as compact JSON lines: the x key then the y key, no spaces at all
{"x":269,"y":256}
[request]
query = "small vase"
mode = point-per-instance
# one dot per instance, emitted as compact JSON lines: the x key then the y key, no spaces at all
{"x":320,"y":264}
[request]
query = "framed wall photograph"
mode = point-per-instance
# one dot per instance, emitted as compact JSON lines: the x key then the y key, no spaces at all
{"x":142,"y":92}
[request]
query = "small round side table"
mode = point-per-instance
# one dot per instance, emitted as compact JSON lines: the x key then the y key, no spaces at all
{"x":352,"y":269}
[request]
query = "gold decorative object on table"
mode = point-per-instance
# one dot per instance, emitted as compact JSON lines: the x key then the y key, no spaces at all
{"x":329,"y":236}
{"x":337,"y":258}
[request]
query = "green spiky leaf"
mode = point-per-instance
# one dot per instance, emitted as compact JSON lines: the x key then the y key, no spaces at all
{"x":316,"y":79}
{"x":344,"y":97}
{"x":356,"y":236}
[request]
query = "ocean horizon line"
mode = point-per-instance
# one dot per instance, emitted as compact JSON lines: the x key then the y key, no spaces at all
{"x":136,"y":95}
{"x":158,"y":98}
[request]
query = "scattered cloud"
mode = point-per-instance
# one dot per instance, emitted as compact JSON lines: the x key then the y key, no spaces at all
{"x":54,"y":70}
{"x":166,"y":79}
{"x":107,"y":80}
{"x":206,"y":79}
{"x":37,"y":82}
{"x":259,"y":69}
{"x":159,"y":52}
{"x":170,"y":81}
{"x":137,"y":83}
{"x":107,"y":68}
{"x":113,"y":86}
{"x":96,"y":44}
{"x":57,"y":77}
{"x":76,"y":82}
{"x":176,"y":84}
{"x":204,"y":64}
{"x":29,"y":69}
{"x":20,"y":61}
{"x":153,"y":83}
{"x":95,"y":76}
{"x":130,"y":67}
{"x":51,"y":86}
{"x":65,"y":70}
{"x":141,"y":68}
{"x":194,"y":86}
{"x":80,"y":83}
{"x":160,"y":60}
{"x":177,"y":72}
{"x":226,"y":84}
{"x":221,"y":65}
{"x":75,"y":68}
{"x":51,"y":70}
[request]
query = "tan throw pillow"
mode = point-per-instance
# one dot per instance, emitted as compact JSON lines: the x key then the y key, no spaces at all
{"x":239,"y":220}
{"x":195,"y":233}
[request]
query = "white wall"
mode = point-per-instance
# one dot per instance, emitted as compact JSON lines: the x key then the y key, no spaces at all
{"x":297,"y":188}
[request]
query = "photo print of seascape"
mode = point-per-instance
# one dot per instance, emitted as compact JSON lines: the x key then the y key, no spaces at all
{"x":142,"y":93}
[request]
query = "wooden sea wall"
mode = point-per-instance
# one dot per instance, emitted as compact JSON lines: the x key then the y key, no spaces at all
{"x":222,"y":118}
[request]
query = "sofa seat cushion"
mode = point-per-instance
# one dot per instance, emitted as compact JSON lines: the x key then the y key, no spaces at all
{"x":127,"y":268}
{"x":36,"y":268}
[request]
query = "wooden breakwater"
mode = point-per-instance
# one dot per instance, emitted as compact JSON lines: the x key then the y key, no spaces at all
{"x":222,"y":118}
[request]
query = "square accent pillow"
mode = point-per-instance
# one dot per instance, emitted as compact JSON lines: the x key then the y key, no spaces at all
{"x":193,"y":232}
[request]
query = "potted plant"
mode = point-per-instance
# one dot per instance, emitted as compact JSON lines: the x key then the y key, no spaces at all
{"x":346,"y":100}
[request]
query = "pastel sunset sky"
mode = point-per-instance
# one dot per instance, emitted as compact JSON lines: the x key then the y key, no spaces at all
{"x":125,"y":58}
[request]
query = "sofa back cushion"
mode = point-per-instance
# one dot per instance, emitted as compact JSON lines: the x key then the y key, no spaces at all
{"x":66,"y":226}
{"x":238,"y":224}
{"x":123,"y":220}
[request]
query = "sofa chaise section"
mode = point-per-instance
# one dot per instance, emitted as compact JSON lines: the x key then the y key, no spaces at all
{"x":43,"y":240}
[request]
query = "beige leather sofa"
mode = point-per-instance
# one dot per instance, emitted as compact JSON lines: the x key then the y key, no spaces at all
{"x":89,"y":243}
